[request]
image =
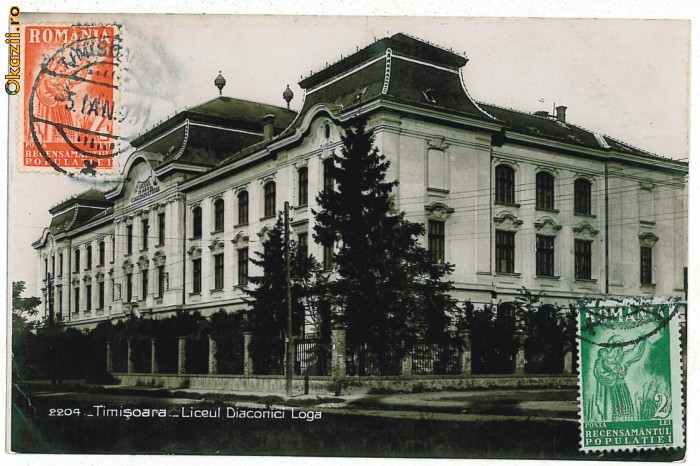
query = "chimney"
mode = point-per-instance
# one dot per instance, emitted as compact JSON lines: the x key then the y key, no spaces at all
{"x":561,"y":114}
{"x":268,"y":126}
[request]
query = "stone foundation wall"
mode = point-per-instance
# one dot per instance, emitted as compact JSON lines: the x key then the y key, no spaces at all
{"x":349,"y":385}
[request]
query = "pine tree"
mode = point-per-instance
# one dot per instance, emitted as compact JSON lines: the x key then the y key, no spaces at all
{"x":267,"y":316}
{"x":387,"y":291}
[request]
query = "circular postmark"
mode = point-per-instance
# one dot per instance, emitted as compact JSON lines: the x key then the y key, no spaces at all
{"x":638,"y":322}
{"x":72,"y":119}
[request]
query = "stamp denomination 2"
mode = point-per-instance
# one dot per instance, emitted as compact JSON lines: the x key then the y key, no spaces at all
{"x":630,"y":374}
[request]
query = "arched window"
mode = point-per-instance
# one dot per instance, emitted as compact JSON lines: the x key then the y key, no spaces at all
{"x":243,"y":207}
{"x":582,"y":196}
{"x":197,"y":222}
{"x":219,"y":215}
{"x":270,"y":198}
{"x":303,"y":186}
{"x":545,"y":191}
{"x":505,"y":184}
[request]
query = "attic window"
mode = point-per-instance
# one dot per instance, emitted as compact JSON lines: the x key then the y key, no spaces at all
{"x":429,"y":95}
{"x":361,"y":94}
{"x":327,"y":130}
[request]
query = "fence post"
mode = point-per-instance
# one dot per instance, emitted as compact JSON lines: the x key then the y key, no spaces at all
{"x":338,"y":348}
{"x":154,"y":363}
{"x":213,"y":363}
{"x":181,"y":355}
{"x":465,"y":354}
{"x":129,"y":360}
{"x":108,"y":350}
{"x":520,"y":354}
{"x":407,"y":364}
{"x":247,"y":360}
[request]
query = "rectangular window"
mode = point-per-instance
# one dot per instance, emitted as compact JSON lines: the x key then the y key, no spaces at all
{"x":101,"y":295}
{"x":144,"y":233}
{"x":505,"y":184}
{"x":243,"y":266}
{"x":59,"y":303}
{"x":219,"y":272}
{"x":129,"y":238}
{"x":303,"y":186}
{"x":76,"y":266}
{"x":646,"y":266}
{"x":436,"y":241}
{"x":161,"y":229}
{"x":101,"y":252}
{"x":582,"y":196}
{"x":46,"y":268}
{"x":582,"y":259}
{"x":544,"y":197}
{"x":161,"y":281}
{"x":197,"y":222}
{"x":545,"y":256}
{"x":88,"y":296}
{"x":114,"y":247}
{"x":144,"y":284}
{"x":303,"y":243}
{"x":196,"y":275}
{"x":505,"y":251}
{"x":89,"y":257}
{"x":270,"y":199}
{"x":129,"y":287}
{"x":219,"y":215}
{"x":76,"y":300}
{"x":53,"y":266}
{"x":328,"y":257}
{"x":243,"y":207}
{"x":60,"y":264}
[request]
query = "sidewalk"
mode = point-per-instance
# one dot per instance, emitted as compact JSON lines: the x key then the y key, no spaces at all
{"x":559,"y":405}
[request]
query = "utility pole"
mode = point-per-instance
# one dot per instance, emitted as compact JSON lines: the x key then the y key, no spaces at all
{"x":49,"y":299}
{"x":288,"y":280}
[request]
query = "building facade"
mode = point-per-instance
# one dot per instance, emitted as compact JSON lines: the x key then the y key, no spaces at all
{"x":512,"y":199}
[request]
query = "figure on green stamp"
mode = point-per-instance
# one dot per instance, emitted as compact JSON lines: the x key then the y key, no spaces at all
{"x":613,"y":401}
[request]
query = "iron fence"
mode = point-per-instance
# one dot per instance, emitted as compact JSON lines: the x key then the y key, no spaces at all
{"x":364,"y":361}
{"x":312,"y":356}
{"x":434,"y":359}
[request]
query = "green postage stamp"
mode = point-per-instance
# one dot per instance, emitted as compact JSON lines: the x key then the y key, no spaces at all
{"x":630,"y":374}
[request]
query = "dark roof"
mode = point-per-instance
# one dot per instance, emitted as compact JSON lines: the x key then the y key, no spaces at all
{"x":91,"y":197}
{"x":409,"y":83}
{"x":548,"y":127}
{"x":218,"y":129}
{"x":541,"y":126}
{"x":351,"y":83}
{"x":398,"y":43}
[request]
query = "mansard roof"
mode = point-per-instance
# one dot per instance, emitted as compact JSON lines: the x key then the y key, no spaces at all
{"x":548,"y":127}
{"x":91,"y":197}
{"x":206,"y":134}
{"x":75,"y":212}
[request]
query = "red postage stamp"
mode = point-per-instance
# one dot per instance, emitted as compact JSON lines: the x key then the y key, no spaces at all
{"x":70,"y":99}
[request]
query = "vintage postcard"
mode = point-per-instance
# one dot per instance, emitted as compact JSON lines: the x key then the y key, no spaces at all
{"x":352,"y":236}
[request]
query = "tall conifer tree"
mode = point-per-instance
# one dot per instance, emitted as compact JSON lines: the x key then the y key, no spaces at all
{"x":387,"y":291}
{"x":267,"y":316}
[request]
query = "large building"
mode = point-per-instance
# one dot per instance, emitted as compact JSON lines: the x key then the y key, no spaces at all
{"x":512,"y":199}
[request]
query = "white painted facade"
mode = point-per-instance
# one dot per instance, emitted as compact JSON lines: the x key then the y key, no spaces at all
{"x":445,"y":164}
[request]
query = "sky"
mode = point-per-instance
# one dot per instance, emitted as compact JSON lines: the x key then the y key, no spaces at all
{"x":625,"y":78}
